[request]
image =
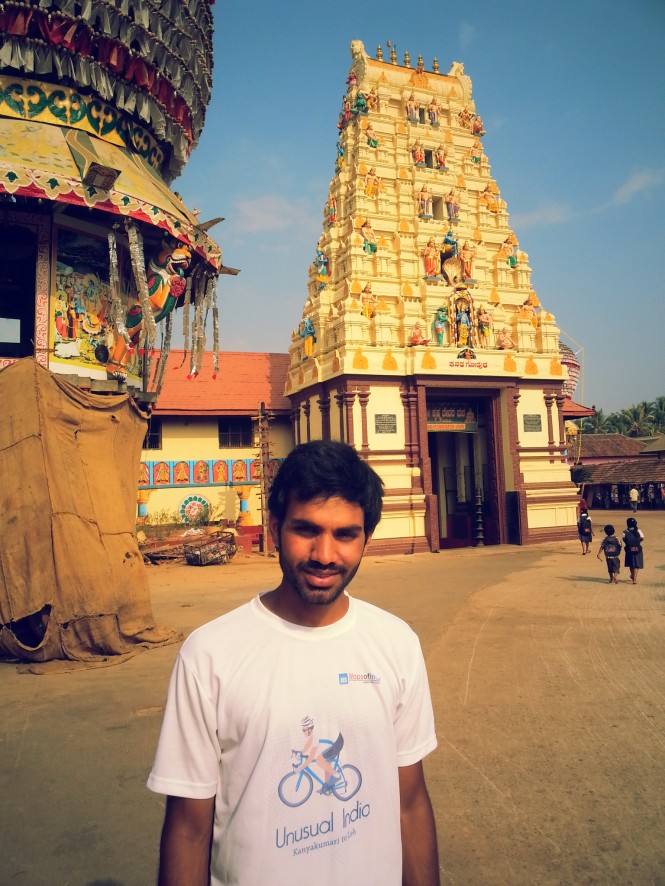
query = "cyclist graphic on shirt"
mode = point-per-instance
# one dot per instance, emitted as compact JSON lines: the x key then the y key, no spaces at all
{"x":315,"y":753}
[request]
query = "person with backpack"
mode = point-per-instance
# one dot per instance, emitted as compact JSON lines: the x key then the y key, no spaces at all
{"x":632,"y":548}
{"x":611,"y":547}
{"x":585,"y":531}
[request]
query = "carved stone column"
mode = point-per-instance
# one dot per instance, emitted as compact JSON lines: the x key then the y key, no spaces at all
{"x":339,"y":399}
{"x":324,"y":407}
{"x":363,"y":398}
{"x":307,"y":408}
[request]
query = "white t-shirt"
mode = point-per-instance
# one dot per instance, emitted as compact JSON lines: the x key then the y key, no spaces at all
{"x":239,"y":692}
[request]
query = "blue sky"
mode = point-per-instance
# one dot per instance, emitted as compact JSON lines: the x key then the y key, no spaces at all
{"x":572,"y":97}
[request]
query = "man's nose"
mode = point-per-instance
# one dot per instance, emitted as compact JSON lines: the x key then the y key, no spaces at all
{"x":323,"y":549}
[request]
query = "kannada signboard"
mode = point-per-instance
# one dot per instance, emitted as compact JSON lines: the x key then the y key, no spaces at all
{"x":533,"y":423}
{"x":458,"y":416}
{"x":385,"y":423}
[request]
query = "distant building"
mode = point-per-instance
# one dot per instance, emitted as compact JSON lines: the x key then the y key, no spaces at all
{"x":614,"y":463}
{"x":202,"y":453}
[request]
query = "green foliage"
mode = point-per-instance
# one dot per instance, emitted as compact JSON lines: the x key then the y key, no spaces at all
{"x":641,"y":420}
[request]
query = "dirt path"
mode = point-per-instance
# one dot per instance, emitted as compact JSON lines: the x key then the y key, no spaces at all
{"x":548,"y":685}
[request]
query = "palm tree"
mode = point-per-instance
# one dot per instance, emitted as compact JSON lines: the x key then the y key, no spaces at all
{"x":617,"y":423}
{"x":596,"y":424}
{"x":658,"y":413}
{"x":639,"y":420}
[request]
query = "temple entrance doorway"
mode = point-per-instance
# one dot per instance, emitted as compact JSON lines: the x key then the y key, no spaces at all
{"x":461,"y":454}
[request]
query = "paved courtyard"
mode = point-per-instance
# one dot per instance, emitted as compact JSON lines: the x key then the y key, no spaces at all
{"x":549,"y":692}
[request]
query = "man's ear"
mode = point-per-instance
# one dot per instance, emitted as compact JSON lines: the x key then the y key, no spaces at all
{"x":273,"y":526}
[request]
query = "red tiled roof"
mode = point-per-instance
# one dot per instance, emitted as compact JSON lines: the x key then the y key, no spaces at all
{"x":242,"y":383}
{"x":610,"y":446}
{"x":657,"y":445}
{"x":645,"y":470}
{"x":575,"y":410}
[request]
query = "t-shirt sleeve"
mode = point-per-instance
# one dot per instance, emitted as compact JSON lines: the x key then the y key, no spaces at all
{"x":414,"y":723}
{"x":187,"y":759}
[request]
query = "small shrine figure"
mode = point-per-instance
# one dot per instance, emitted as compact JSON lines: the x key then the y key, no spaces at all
{"x":360,"y":105}
{"x":439,"y":324}
{"x":418,"y":153}
{"x":307,"y":332}
{"x":467,"y":255}
{"x":433,"y":112}
{"x":503,"y":340}
{"x":369,"y":237}
{"x":424,"y":203}
{"x":528,"y":312}
{"x":351,"y":80}
{"x":372,"y":138}
{"x":508,"y":252}
{"x":476,"y":152}
{"x":346,"y":108}
{"x":372,"y":99}
{"x":488,"y":197}
{"x":411,"y":108}
{"x":441,"y":158}
{"x":462,"y":322}
{"x":322,"y":262}
{"x":372,"y":183}
{"x":431,"y":259}
{"x":464,"y":118}
{"x":367,"y":302}
{"x":484,"y":319}
{"x":331,"y":209}
{"x":448,"y":248}
{"x":339,"y":163}
{"x":477,"y":127}
{"x":417,"y":337}
{"x":452,"y":204}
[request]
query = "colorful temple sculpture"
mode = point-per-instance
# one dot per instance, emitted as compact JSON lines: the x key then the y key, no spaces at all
{"x":100,"y":107}
{"x":422,"y":340}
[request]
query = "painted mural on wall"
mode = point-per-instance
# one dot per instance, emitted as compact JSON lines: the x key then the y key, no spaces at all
{"x":82,"y":333}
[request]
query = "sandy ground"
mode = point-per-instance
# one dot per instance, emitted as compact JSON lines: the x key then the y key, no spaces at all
{"x":549,"y":693}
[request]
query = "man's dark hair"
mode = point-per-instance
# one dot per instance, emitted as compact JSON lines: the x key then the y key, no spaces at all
{"x":327,"y":469}
{"x":609,"y":529}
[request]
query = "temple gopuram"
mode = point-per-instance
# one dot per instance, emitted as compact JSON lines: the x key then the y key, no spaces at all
{"x":101,"y":103}
{"x":422,"y":340}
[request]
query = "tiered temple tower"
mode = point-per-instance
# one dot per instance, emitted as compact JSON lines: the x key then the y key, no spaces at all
{"x":422,"y":341}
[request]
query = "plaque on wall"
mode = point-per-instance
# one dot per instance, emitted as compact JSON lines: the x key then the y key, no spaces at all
{"x":385,"y":423}
{"x":533,"y":423}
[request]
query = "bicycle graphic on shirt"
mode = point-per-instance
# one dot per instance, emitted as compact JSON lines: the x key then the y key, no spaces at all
{"x":296,"y":787}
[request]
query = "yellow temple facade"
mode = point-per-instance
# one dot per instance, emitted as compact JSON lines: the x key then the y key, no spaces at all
{"x":422,"y":341}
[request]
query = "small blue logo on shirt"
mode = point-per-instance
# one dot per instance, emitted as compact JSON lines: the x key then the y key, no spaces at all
{"x":345,"y":679}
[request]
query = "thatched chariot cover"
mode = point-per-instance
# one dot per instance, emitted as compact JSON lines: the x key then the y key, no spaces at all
{"x":70,"y":567}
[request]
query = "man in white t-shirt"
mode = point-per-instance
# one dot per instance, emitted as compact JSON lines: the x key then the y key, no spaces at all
{"x":248,"y":801}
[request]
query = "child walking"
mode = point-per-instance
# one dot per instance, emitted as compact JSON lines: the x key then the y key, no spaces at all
{"x":585,"y":531}
{"x":611,"y":547}
{"x":632,"y":548}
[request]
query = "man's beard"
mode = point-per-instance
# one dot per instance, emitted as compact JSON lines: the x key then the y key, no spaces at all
{"x":296,"y":578}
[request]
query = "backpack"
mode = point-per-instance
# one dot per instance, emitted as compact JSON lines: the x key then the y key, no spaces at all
{"x":585,"y":525}
{"x":633,"y":541}
{"x":612,"y":546}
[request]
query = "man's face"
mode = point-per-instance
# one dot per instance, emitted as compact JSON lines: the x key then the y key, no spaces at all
{"x":321,"y":543}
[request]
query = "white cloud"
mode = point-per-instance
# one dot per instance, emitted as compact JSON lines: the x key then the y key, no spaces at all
{"x":270,"y":213}
{"x":637,"y":183}
{"x":466,"y":35}
{"x":549,"y":214}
